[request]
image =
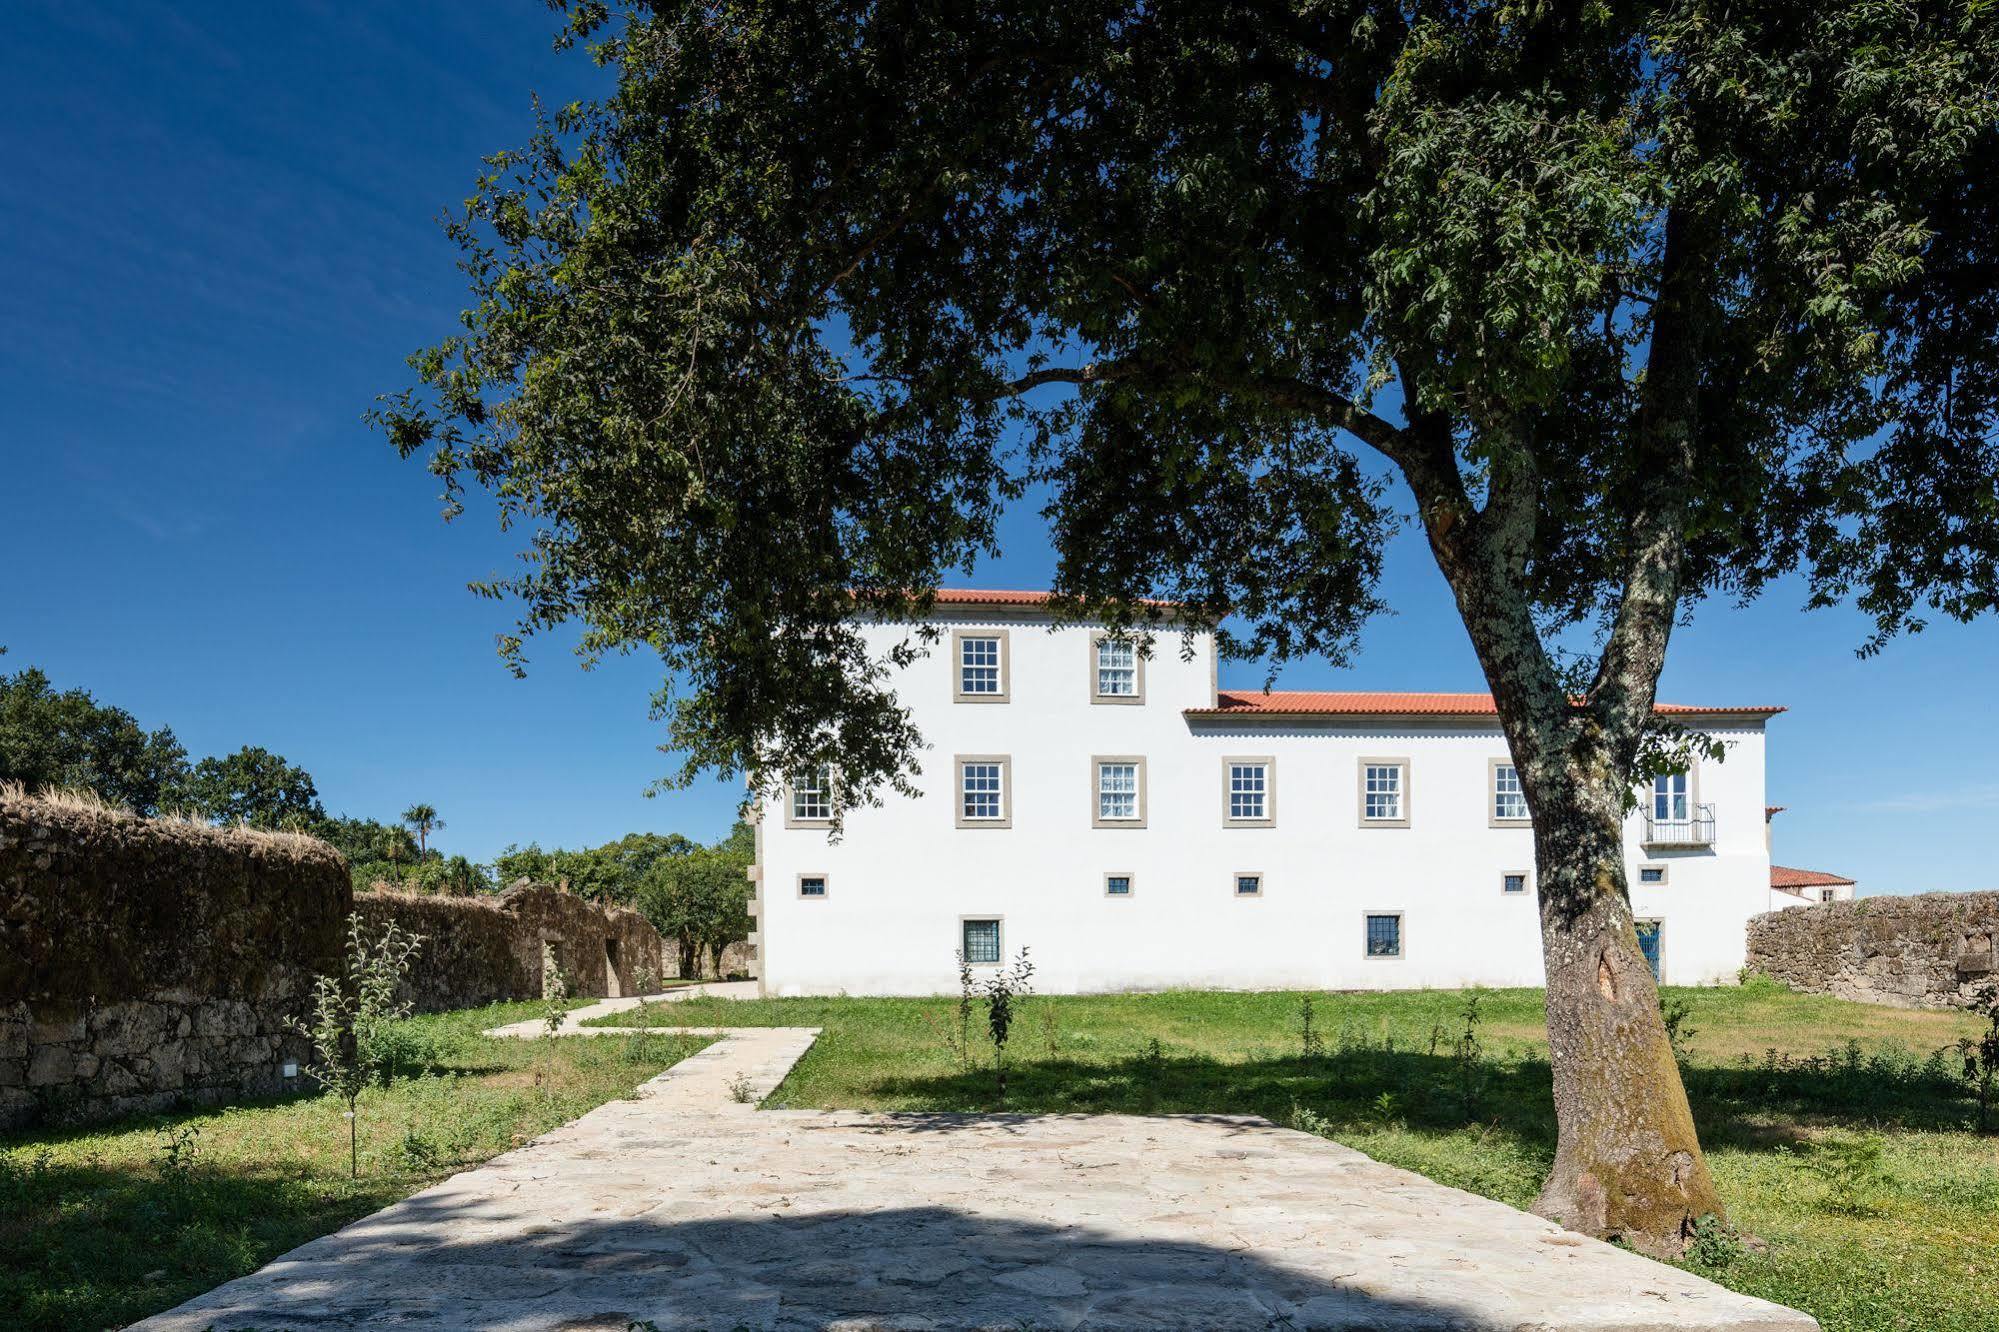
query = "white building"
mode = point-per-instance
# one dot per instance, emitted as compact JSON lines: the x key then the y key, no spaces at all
{"x":1139,"y":829}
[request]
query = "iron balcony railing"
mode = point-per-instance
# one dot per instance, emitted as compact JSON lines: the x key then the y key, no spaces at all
{"x":1696,"y":830}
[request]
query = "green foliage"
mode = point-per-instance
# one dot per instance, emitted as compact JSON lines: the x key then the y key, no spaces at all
{"x":422,"y":820}
{"x":1002,"y":991}
{"x":1662,"y":300}
{"x":1981,"y":1057}
{"x":256,"y":787}
{"x":354,"y":1016}
{"x":69,"y":739}
{"x":1851,"y":1173}
{"x":699,"y":898}
{"x":1715,"y":1243}
{"x":613,"y":872}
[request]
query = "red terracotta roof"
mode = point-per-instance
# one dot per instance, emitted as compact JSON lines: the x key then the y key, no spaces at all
{"x":1287,"y":702}
{"x":1768,"y":810}
{"x":984,"y":596}
{"x":1782,"y":876}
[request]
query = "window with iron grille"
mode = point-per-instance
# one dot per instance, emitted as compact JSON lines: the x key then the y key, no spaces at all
{"x":1117,"y":885}
{"x":1384,"y":936}
{"x":981,"y":942}
{"x":1249,"y":885}
{"x":1513,"y":884}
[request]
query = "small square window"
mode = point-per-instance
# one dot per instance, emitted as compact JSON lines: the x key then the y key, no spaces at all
{"x":1384,"y":935}
{"x":1249,"y":885}
{"x":1513,"y":884}
{"x":811,"y":885}
{"x":1651,"y":874}
{"x":1117,"y":885}
{"x":982,"y":942}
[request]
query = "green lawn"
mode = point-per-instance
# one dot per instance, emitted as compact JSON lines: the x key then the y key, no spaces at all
{"x":1794,"y":1095}
{"x":104,"y":1225}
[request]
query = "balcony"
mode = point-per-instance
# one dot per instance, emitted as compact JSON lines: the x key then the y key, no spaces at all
{"x":1697,"y":830}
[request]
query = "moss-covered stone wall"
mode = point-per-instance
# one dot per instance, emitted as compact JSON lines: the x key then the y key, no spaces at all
{"x":481,"y":950}
{"x":148,"y":963}
{"x":1933,"y":950}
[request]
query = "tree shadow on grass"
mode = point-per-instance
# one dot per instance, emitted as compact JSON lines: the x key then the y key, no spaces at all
{"x":1757,"y":1106}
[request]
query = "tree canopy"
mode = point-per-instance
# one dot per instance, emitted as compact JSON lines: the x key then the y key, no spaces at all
{"x":66,"y":738}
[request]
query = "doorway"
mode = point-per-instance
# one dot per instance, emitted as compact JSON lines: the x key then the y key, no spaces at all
{"x":612,"y":989}
{"x":1651,"y":942}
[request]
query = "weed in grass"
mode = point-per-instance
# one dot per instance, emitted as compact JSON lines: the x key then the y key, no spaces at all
{"x":1152,"y":1075}
{"x":1310,"y":1044}
{"x":1851,"y":1173}
{"x":740,"y":1090}
{"x":178,"y":1145}
{"x":1680,"y":1030}
{"x":1051,"y":1035}
{"x":1714,"y":1243}
{"x":1468,"y":1061}
{"x":418,"y":1153}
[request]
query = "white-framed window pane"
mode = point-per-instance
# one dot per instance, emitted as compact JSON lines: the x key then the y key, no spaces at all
{"x":1509,"y":800}
{"x":812,"y":795}
{"x":1383,"y":793}
{"x":1669,"y":797}
{"x":1118,"y":885}
{"x":1513,"y":883}
{"x":1117,"y":790}
{"x":982,"y":941}
{"x":982,"y":795}
{"x":1249,"y":790}
{"x":1117,"y":668}
{"x":812,"y":885}
{"x":978,"y":665}
{"x":1248,"y":885}
{"x":1384,"y":936}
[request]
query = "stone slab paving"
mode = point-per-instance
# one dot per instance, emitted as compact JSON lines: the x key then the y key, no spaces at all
{"x":687,"y":1208}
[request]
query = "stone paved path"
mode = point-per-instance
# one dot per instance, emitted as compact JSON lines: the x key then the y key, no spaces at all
{"x":688,"y":1208}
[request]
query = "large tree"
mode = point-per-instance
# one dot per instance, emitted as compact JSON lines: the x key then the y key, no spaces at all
{"x":67,"y":738}
{"x":1640,"y":303}
{"x":256,"y":787}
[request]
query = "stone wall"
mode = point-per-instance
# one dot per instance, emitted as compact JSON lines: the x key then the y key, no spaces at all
{"x":149,"y":963}
{"x":481,"y":950}
{"x":1929,"y":951}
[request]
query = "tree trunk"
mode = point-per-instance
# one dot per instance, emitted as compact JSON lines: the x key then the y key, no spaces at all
{"x":1628,"y":1162}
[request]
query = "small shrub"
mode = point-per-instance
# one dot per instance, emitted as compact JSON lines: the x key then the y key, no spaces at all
{"x":1981,"y":1058}
{"x":418,"y":1153}
{"x":1680,"y":1031}
{"x":740,"y":1090}
{"x":1051,"y":1034}
{"x":554,"y":990}
{"x":1713,"y":1243}
{"x":1004,"y":990}
{"x":1311,"y":1045}
{"x":1851,"y":1171}
{"x":1468,"y":1061}
{"x":351,"y":1015}
{"x":1151,"y":1075}
{"x":176,"y":1148}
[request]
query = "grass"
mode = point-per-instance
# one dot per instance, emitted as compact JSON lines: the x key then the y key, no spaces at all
{"x":1839,"y":1136}
{"x":104,"y":1225}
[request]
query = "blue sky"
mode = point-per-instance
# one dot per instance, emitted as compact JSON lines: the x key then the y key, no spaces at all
{"x":220,"y":242}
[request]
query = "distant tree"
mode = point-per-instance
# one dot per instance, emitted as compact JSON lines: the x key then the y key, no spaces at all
{"x":1621,"y":306}
{"x":454,"y":876}
{"x":528,"y":862}
{"x":608,"y":873}
{"x":256,"y":787}
{"x":700,"y":900}
{"x":423,"y":821}
{"x":67,"y":738}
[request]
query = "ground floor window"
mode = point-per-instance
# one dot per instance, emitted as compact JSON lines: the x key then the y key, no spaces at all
{"x":1513,"y":884}
{"x":1249,"y":885}
{"x":1117,"y":885}
{"x":1384,"y":935}
{"x":811,"y":885}
{"x":982,"y":941}
{"x":1651,"y":942}
{"x":1651,"y":874}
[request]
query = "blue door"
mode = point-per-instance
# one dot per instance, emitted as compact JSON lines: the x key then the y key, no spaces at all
{"x":1648,"y":943}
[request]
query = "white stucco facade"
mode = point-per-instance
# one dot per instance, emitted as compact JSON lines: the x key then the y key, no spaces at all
{"x":881,"y":910}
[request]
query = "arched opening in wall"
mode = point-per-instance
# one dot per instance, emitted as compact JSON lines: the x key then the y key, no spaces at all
{"x":611,"y":986}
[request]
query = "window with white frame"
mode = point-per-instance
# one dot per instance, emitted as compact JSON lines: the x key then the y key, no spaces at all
{"x":1117,"y":885}
{"x":981,"y":667}
{"x":1509,"y":798}
{"x":1669,"y":798}
{"x":1384,"y":792}
{"x":1249,"y":885}
{"x":1513,"y":883}
{"x":811,"y":885}
{"x":812,"y":796}
{"x":1384,"y":934}
{"x":982,"y":791}
{"x":1249,"y":794}
{"x":980,"y":941}
{"x":1117,"y":668}
{"x":1120,"y":791}
{"x":1651,"y":874}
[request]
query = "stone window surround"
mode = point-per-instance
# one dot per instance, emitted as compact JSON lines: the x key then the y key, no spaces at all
{"x":1235,"y":883}
{"x":1665,"y":875}
{"x":958,"y":694}
{"x":1130,"y":884}
{"x":1005,"y":820}
{"x":1138,"y":672}
{"x":1406,"y":785}
{"x":1097,"y":762}
{"x":1401,"y":937}
{"x":1269,"y":819}
{"x":825,"y":886}
{"x":999,"y":930}
{"x":1492,"y":818}
{"x":790,"y":805}
{"x":1526,"y":883}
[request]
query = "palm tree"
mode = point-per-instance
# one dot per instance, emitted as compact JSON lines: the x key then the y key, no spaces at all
{"x":423,"y":821}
